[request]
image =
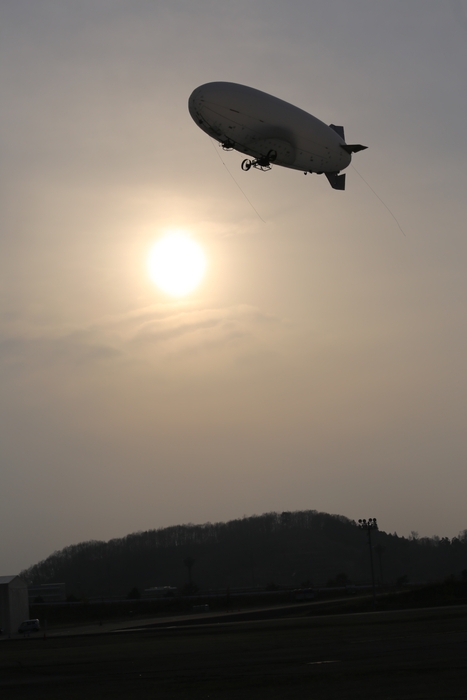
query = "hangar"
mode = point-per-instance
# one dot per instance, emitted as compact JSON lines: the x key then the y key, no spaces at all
{"x":14,"y":606}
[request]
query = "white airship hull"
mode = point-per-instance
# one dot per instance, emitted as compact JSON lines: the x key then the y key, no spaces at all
{"x":260,"y":125}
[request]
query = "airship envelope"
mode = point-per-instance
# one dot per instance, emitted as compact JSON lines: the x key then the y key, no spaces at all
{"x":271,"y":131}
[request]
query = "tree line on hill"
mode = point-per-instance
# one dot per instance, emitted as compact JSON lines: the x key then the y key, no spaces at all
{"x":297,"y":549}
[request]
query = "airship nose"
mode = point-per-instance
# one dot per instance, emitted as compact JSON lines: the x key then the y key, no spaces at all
{"x":194,"y":104}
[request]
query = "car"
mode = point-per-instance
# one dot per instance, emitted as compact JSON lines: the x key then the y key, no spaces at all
{"x":29,"y":626}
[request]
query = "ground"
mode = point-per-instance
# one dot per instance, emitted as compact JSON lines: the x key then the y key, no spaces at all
{"x":406,"y":654}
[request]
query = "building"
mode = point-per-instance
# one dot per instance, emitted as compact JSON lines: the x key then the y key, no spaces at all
{"x":14,"y":606}
{"x":160,"y":592}
{"x":47,"y":593}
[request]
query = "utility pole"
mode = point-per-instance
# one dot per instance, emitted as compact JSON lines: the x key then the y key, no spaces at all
{"x":189,"y":562}
{"x":370,"y":525}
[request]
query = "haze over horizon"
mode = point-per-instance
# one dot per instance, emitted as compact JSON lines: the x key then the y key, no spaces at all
{"x":320,"y":364}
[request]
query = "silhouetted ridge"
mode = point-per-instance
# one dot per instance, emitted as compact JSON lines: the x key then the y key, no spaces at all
{"x":294,"y":549}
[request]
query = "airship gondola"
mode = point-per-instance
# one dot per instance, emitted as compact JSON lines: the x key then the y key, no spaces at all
{"x":271,"y":131}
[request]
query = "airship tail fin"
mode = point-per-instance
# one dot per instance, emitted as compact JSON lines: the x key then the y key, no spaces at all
{"x":353,"y":147}
{"x":339,"y":130}
{"x":336,"y":181}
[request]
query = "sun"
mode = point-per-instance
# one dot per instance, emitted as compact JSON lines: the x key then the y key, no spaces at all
{"x":176,"y":264}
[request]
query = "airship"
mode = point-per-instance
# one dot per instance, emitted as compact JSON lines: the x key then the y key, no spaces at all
{"x":271,"y":131}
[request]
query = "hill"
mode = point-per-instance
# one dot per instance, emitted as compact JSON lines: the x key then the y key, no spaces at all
{"x":294,"y":549}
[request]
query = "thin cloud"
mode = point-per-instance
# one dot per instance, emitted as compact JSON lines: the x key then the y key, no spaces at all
{"x":50,"y":348}
{"x":241,"y":318}
{"x":164,"y":328}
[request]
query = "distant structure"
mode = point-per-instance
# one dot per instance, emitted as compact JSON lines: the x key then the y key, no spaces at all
{"x":160,"y":592}
{"x":14,"y":606}
{"x":47,"y":593}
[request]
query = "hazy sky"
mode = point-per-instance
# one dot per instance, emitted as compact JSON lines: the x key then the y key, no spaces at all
{"x":321,"y":364}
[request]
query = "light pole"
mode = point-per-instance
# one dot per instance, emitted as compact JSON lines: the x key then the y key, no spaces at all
{"x":380,"y":551}
{"x":370,"y":525}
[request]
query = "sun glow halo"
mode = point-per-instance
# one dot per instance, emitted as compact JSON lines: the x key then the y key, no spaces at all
{"x":176,"y":264}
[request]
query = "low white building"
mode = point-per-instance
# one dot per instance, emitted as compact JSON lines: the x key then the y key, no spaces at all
{"x":14,"y":606}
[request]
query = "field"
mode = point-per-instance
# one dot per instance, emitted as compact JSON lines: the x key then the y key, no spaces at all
{"x":407,"y":654}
